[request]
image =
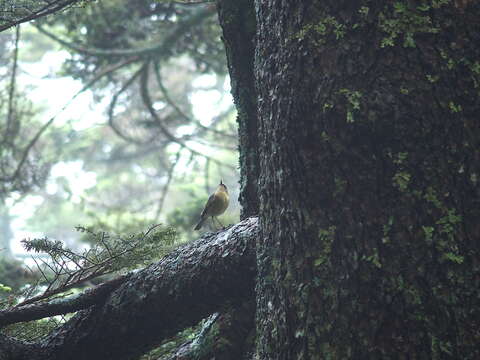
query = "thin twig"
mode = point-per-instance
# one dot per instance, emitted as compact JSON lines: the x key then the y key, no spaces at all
{"x":34,"y":140}
{"x":207,"y":176}
{"x":113,"y":103}
{"x":167,"y":184}
{"x":196,"y":2}
{"x":39,"y":269}
{"x":11,"y":90}
{"x":48,"y":294}
{"x":104,"y":243}
{"x":172,"y":103}
{"x":65,"y":279}
{"x":148,"y":103}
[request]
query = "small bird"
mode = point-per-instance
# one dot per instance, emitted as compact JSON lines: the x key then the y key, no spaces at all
{"x":216,"y":205}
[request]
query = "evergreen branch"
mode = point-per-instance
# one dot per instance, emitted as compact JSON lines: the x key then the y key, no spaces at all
{"x":102,"y":259}
{"x":162,"y":48}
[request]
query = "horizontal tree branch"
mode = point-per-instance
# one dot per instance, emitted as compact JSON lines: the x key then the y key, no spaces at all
{"x":156,"y":302}
{"x":60,"y":306}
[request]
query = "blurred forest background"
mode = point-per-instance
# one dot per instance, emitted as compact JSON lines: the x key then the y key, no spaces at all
{"x":116,"y":115}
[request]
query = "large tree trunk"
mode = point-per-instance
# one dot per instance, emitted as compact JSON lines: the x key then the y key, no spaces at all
{"x":369,"y":173}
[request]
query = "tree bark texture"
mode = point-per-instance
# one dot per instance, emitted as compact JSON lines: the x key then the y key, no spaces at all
{"x":225,"y":336}
{"x":369,"y":179}
{"x":156,"y":302}
{"x":237,"y":18}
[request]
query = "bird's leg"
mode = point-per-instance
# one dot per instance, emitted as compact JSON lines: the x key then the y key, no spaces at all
{"x":214,"y":226}
{"x":219,"y":222}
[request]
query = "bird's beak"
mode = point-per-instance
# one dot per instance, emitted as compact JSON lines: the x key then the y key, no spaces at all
{"x":221,"y":181}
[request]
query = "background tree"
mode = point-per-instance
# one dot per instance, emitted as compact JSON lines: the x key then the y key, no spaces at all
{"x":24,"y":156}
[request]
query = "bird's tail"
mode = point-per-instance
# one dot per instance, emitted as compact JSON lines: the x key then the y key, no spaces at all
{"x":200,"y":224}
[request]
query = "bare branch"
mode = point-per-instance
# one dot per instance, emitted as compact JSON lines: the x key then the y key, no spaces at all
{"x":145,"y":93}
{"x":11,"y":91}
{"x":180,"y":112}
{"x":70,"y":304}
{"x":167,"y":184}
{"x":49,"y":293}
{"x":192,"y":2}
{"x":99,"y":260}
{"x":207,"y":176}
{"x":113,"y":103}
{"x":40,"y":269}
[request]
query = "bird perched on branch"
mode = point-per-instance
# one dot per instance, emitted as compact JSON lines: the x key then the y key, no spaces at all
{"x":216,"y":205}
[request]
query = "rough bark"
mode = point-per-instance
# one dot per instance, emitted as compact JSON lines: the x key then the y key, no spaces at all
{"x":12,"y":349}
{"x":41,"y":310}
{"x":155,"y":303}
{"x":225,"y":336}
{"x":237,"y":18}
{"x":369,"y":133}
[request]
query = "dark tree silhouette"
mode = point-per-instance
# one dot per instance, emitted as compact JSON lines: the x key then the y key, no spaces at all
{"x":15,"y":12}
